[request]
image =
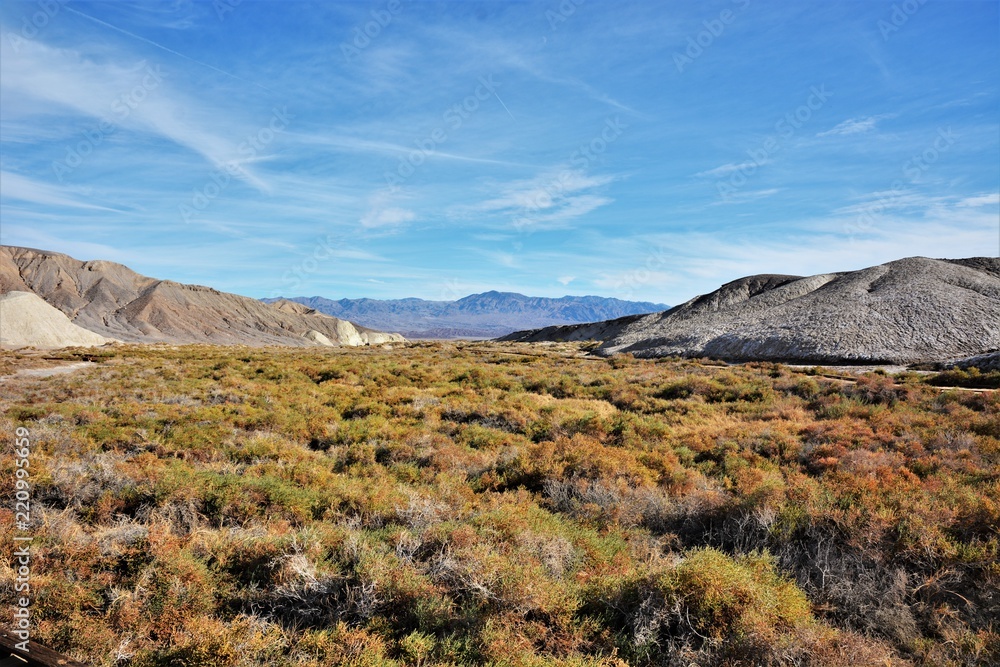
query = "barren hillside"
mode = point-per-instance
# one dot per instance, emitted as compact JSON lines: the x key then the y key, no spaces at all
{"x":112,"y":300}
{"x":906,"y":311}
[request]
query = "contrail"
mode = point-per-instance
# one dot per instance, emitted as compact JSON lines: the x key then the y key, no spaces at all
{"x":504,"y":106}
{"x":160,"y":46}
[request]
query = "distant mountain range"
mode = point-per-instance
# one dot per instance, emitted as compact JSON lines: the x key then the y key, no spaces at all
{"x":486,"y":315}
{"x":117,"y":303}
{"x":908,"y":311}
{"x":913,"y":310}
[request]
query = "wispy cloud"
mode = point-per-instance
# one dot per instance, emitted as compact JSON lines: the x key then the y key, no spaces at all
{"x":383,"y":212}
{"x":551,"y":199}
{"x":729,"y":168}
{"x":356,"y":253}
{"x":744,"y":196}
{"x":33,"y":237}
{"x":505,"y":259}
{"x":568,"y":210}
{"x":162,"y":47}
{"x":15,"y":186}
{"x":892,"y":200}
{"x":352,"y":144}
{"x":630,"y":283}
{"x":387,"y":217}
{"x":851,"y":126}
{"x":136,"y":94}
{"x":980,"y":200}
{"x":523,"y":57}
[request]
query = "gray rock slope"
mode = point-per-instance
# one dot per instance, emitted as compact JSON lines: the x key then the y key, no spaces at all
{"x":907,"y":311}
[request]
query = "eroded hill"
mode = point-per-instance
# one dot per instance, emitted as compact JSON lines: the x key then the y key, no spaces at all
{"x":112,"y":300}
{"x":908,"y":311}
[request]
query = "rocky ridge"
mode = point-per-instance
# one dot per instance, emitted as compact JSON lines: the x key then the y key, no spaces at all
{"x":908,"y":311}
{"x":113,"y":301}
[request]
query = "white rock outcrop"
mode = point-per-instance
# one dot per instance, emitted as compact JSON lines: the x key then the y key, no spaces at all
{"x":27,"y":321}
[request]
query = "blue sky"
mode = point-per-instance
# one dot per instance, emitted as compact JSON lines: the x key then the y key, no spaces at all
{"x":400,"y":148}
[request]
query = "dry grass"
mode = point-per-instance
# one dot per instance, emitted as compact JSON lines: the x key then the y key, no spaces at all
{"x":478,"y":503}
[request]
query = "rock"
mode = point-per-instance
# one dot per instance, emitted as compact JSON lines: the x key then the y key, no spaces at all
{"x":27,"y":321}
{"x":112,"y":300}
{"x":908,"y":311}
{"x":319,"y":338}
{"x":984,"y":362}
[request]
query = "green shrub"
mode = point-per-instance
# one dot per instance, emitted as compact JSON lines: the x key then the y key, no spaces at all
{"x":478,"y":503}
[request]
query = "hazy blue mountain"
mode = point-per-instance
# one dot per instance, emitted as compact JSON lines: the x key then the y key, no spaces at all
{"x":485,"y":315}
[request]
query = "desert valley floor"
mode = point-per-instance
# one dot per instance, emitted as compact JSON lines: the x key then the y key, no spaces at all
{"x":487,"y":503}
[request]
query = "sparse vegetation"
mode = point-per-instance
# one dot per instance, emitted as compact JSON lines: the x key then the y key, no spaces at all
{"x":970,"y":377}
{"x":487,"y":504}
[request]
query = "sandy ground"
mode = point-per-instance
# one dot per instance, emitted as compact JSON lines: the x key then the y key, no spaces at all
{"x":54,"y":370}
{"x":49,"y":371}
{"x":854,"y":370}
